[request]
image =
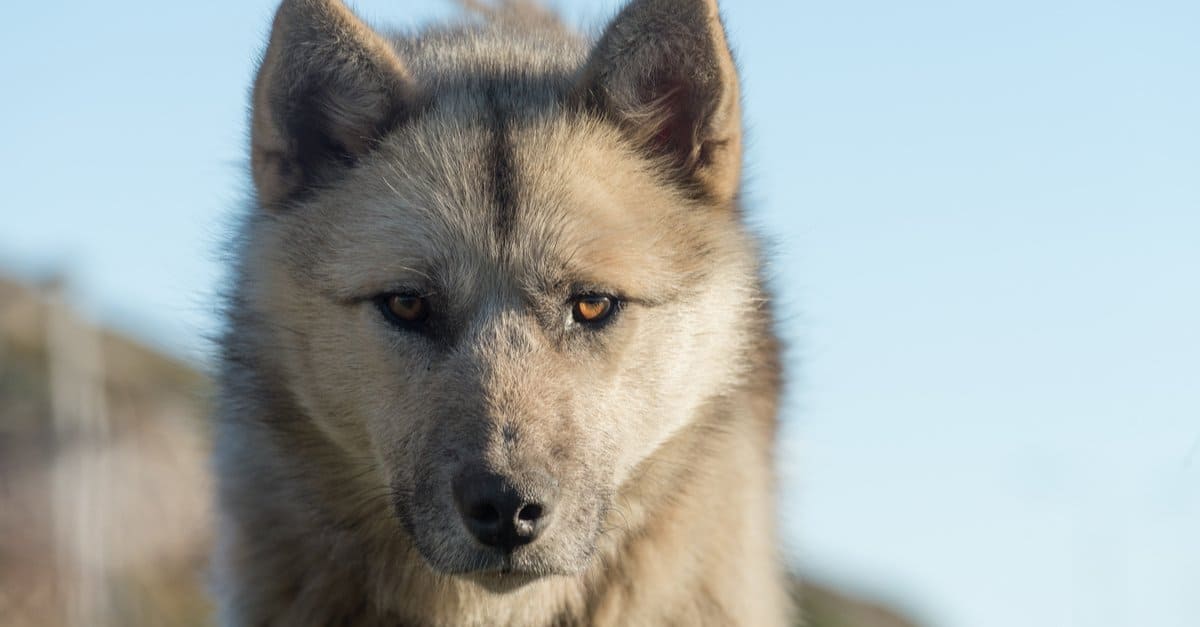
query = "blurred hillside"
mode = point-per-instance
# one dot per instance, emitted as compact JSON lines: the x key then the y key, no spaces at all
{"x":104,"y":490}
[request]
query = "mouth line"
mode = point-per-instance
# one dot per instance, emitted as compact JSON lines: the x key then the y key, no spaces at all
{"x":504,"y":567}
{"x":497,"y":566}
{"x":500,"y":580}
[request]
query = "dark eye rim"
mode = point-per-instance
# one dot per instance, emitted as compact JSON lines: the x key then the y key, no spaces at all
{"x":614,"y":305}
{"x":381,"y":303}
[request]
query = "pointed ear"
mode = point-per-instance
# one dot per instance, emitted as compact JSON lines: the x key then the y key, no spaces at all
{"x":663,"y":70}
{"x":327,"y":89}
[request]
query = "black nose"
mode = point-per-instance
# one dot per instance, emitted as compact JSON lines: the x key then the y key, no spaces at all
{"x":497,"y":513}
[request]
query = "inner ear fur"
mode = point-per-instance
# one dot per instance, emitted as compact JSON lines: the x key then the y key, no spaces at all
{"x":663,"y":70}
{"x":327,"y":89}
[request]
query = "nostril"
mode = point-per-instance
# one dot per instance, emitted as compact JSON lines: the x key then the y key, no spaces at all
{"x":530,"y":512}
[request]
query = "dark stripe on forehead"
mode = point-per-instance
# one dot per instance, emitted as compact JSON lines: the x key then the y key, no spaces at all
{"x":500,"y":160}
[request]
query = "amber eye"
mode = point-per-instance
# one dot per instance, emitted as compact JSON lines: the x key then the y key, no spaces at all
{"x":592,"y":308}
{"x":406,"y":311}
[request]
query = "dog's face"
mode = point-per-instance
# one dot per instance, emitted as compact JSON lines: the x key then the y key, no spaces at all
{"x":501,"y":303}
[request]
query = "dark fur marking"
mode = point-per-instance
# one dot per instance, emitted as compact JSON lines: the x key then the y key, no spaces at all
{"x":317,"y":158}
{"x":500,"y":157}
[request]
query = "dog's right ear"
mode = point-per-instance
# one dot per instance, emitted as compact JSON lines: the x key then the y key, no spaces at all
{"x":663,"y":70}
{"x":328,"y":88}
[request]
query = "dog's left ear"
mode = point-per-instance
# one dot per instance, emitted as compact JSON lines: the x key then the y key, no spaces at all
{"x":663,"y":70}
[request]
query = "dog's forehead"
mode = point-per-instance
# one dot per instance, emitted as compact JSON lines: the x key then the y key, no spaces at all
{"x":474,"y":198}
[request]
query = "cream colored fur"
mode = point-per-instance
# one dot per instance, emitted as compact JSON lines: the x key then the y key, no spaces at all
{"x":499,"y":167}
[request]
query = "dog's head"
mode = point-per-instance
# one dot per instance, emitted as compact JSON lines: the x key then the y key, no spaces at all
{"x":500,"y":273}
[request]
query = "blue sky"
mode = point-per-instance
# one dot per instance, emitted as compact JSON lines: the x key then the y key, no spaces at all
{"x":985,"y":219}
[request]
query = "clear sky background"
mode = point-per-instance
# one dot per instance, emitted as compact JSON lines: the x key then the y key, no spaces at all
{"x":985,"y":219}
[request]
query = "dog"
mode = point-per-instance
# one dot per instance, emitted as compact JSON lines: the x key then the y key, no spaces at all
{"x":498,"y":349}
